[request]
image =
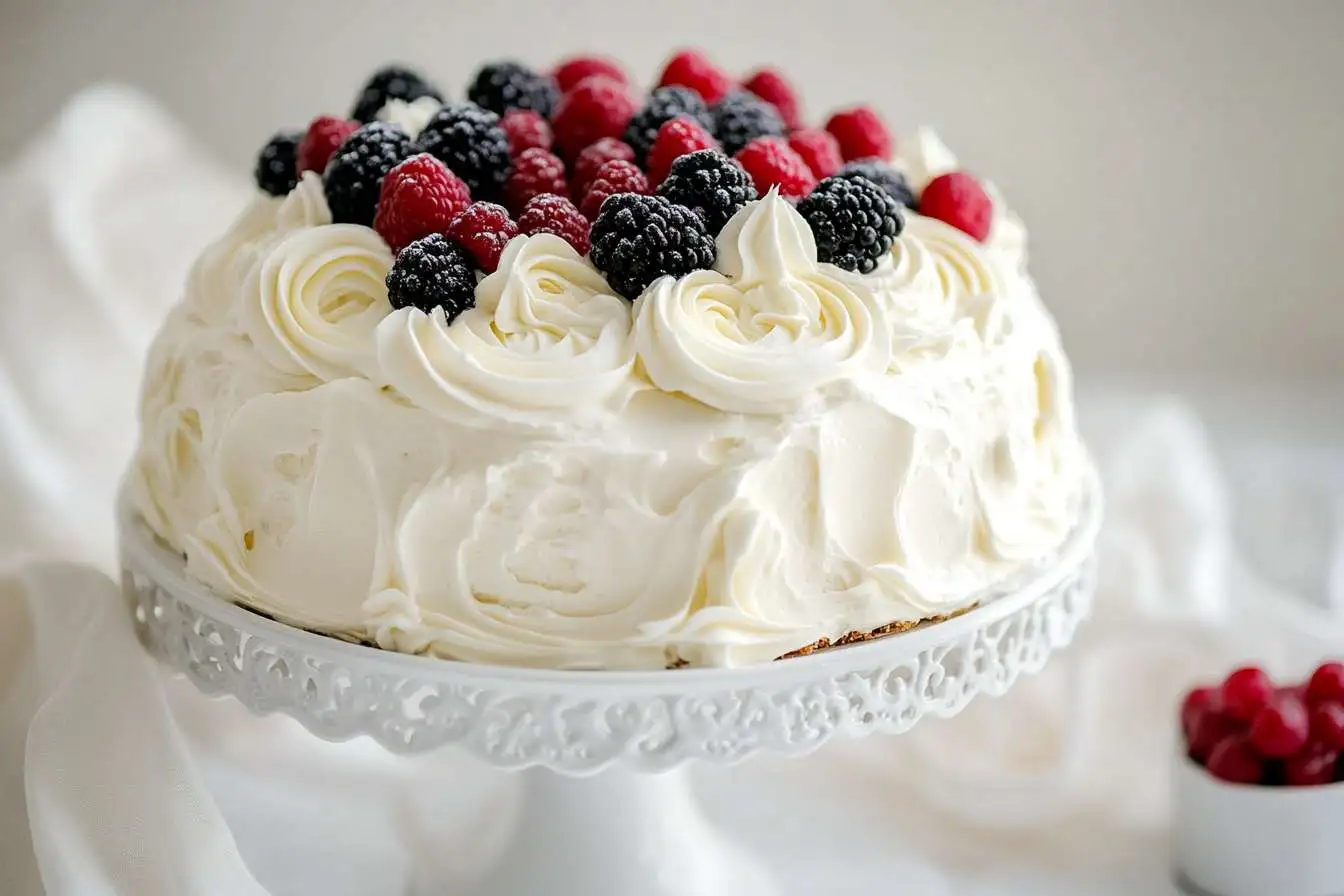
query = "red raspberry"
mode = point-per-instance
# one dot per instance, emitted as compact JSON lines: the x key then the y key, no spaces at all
{"x":1314,"y":766}
{"x":597,"y":107}
{"x":1245,"y":691}
{"x":690,"y":69}
{"x":614,"y":177}
{"x":1210,"y":729}
{"x":483,"y":229}
{"x":574,"y":70}
{"x":676,"y":137}
{"x":593,"y":158}
{"x":557,"y":215}
{"x":818,"y":149}
{"x":770,"y":86}
{"x":1196,"y":703}
{"x":1236,"y":761}
{"x":1281,"y":728}
{"x":771,"y":163}
{"x":1327,"y":683}
{"x":534,"y":172}
{"x":861,"y":133}
{"x":418,"y":197}
{"x":526,"y":129}
{"x":956,"y":198}
{"x":324,"y":136}
{"x":1327,"y":724}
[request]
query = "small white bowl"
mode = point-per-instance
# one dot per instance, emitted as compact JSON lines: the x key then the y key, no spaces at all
{"x":1243,"y":840}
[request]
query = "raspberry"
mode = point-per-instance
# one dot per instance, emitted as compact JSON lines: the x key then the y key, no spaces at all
{"x":612,"y":178}
{"x":526,"y":129}
{"x":501,"y":86}
{"x":483,"y":229}
{"x":558,"y":216}
{"x":324,"y":137}
{"x":885,"y":176}
{"x":354,"y":177}
{"x":1327,"y":683}
{"x":1314,"y":766}
{"x":593,"y":157}
{"x":1193,"y":707}
{"x":710,"y":184}
{"x":770,"y":86}
{"x":469,"y":140}
{"x":861,"y":133}
{"x":690,"y":69}
{"x":534,"y":172}
{"x":854,"y":222}
{"x":741,"y":117}
{"x":818,"y":149}
{"x":1327,"y":724}
{"x":392,"y":82}
{"x":1211,"y":729}
{"x":432,"y":272}
{"x":1281,"y":728}
{"x":956,"y":198}
{"x":675,"y":139}
{"x":663,"y":105}
{"x":1235,"y":761}
{"x":771,"y":163}
{"x":637,"y":239}
{"x":594,"y":108}
{"x":1245,"y":692}
{"x":419,"y":197}
{"x":276,"y":172}
{"x":572,"y":71}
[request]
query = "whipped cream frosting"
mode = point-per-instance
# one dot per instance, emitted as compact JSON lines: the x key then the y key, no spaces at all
{"x":741,"y":462}
{"x":412,"y":116}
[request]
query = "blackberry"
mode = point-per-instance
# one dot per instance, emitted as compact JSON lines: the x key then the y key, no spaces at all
{"x":853,"y":220}
{"x":885,"y":176}
{"x":391,"y":82}
{"x":710,"y":184}
{"x":354,"y":176}
{"x":663,"y":105}
{"x":637,"y":239}
{"x":505,"y":85}
{"x":741,"y":117}
{"x":433,"y":272}
{"x":469,"y":140}
{"x":277,"y":169}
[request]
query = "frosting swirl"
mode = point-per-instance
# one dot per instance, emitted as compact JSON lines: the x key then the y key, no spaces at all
{"x":305,"y":206}
{"x":412,"y":116}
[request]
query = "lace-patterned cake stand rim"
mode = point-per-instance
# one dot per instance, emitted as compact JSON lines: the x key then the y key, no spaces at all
{"x":604,"y":824}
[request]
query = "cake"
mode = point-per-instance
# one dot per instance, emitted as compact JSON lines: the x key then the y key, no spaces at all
{"x":573,"y":375}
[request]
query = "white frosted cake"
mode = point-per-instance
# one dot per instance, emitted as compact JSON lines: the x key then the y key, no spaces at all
{"x":779,"y":387}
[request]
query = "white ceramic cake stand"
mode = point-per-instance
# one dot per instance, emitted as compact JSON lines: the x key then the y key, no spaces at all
{"x":607,"y":814}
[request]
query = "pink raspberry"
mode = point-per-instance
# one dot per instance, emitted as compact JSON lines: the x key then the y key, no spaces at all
{"x":556,"y":215}
{"x":676,"y":137}
{"x":418,"y":197}
{"x":957,"y":198}
{"x":770,"y":86}
{"x":575,"y":69}
{"x":319,"y":144}
{"x":771,"y":163}
{"x":534,"y":172}
{"x":593,"y":157}
{"x":690,"y":68}
{"x":861,"y":133}
{"x":596,"y":107}
{"x":818,"y":149}
{"x":483,"y":229}
{"x":526,"y":129}
{"x":612,"y":178}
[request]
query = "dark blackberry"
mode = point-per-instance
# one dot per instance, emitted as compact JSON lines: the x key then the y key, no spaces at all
{"x":354,"y":176}
{"x":505,"y":85}
{"x":433,"y":272}
{"x":663,"y":105}
{"x":277,"y":170}
{"x":885,"y":176}
{"x":469,"y":140}
{"x":741,"y":117}
{"x":391,"y":82}
{"x":853,"y":220}
{"x":637,"y":239}
{"x":710,"y":184}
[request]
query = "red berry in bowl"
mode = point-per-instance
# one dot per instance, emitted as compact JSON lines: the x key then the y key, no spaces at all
{"x":1236,"y":761}
{"x":1281,"y":727}
{"x":770,"y":86}
{"x":575,"y":69}
{"x":691,"y":69}
{"x":1211,"y":729}
{"x":526,"y":129}
{"x":1245,"y":691}
{"x":861,"y":133}
{"x":1314,"y":766}
{"x":1196,"y":703}
{"x":1327,"y":724}
{"x":1327,"y":684}
{"x":676,"y":138}
{"x":956,"y":198}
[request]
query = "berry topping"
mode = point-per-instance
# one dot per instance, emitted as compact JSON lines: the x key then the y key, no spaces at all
{"x":324,"y":137}
{"x":419,"y":197}
{"x":884,"y":175}
{"x":675,"y":139}
{"x":501,"y":86}
{"x":861,"y":133}
{"x":572,"y":71}
{"x":612,"y":178}
{"x":432,"y":272}
{"x":690,"y":69}
{"x":770,"y":86}
{"x":393,"y":82}
{"x":526,"y":130}
{"x":818,"y":149}
{"x":741,"y":117}
{"x":1244,"y":693}
{"x":709,"y":183}
{"x":469,"y":140}
{"x":483,"y":229}
{"x":276,"y":170}
{"x":1327,"y":683}
{"x":1281,"y":728}
{"x":956,"y":198}
{"x":556,"y":215}
{"x":771,"y":163}
{"x":637,"y":239}
{"x":1327,"y":724}
{"x":534,"y":172}
{"x":594,"y":108}
{"x":354,"y":176}
{"x":593,"y":157}
{"x":1236,"y":761}
{"x":1314,"y":766}
{"x":854,"y":222}
{"x":1210,"y":729}
{"x":663,"y":105}
{"x":1193,"y":707}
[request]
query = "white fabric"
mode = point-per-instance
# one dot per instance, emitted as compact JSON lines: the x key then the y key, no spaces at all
{"x":115,"y":779}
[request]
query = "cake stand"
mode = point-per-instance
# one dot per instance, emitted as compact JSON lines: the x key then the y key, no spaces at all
{"x":608,"y":813}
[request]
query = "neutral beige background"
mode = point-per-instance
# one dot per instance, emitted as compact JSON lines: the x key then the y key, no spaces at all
{"x":1178,"y":163}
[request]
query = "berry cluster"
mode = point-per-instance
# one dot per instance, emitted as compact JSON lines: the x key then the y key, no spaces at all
{"x":1248,"y":731}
